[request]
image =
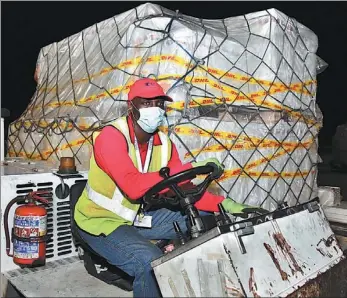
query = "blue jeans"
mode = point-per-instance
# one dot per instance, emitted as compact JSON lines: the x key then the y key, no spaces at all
{"x":129,"y":249}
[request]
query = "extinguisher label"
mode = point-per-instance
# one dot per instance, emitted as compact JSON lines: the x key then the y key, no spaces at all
{"x":30,"y":226}
{"x":43,"y":225}
{"x":25,"y":250}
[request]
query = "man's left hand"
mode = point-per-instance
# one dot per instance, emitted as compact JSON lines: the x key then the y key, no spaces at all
{"x":241,"y":210}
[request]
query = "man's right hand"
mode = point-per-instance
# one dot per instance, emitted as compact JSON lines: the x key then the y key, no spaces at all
{"x":206,"y":161}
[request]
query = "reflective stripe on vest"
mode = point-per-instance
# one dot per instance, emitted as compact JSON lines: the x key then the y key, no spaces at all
{"x":115,"y":204}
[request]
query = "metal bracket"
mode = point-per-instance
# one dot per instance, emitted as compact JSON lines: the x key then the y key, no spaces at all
{"x":242,"y":229}
{"x":312,"y":206}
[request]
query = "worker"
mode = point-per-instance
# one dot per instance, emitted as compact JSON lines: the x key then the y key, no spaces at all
{"x":125,"y":163}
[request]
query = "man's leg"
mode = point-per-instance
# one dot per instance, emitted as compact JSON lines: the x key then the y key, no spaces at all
{"x":132,"y":253}
{"x":128,"y":248}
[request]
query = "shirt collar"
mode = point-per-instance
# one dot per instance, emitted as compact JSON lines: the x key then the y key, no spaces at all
{"x":156,"y":139}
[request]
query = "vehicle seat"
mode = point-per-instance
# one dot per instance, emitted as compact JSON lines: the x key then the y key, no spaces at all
{"x":95,"y":265}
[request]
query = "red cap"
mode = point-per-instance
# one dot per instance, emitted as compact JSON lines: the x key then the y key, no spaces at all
{"x":147,"y":88}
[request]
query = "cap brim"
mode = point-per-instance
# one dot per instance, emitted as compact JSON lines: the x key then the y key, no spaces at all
{"x":167,"y":98}
{"x":164,"y":97}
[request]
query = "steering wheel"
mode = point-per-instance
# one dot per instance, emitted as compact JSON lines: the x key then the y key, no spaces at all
{"x":185,"y":197}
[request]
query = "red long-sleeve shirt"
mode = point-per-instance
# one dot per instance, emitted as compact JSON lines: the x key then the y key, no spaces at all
{"x":111,"y":155}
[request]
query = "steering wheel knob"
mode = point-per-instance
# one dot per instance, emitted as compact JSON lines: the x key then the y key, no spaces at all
{"x":164,"y":172}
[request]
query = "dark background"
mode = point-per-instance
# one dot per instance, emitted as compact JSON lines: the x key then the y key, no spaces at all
{"x":28,"y":26}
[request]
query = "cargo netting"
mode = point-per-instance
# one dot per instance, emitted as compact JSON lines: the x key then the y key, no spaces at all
{"x":244,"y":91}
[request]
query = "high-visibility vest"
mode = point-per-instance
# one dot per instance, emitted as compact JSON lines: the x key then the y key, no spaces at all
{"x":102,"y":206}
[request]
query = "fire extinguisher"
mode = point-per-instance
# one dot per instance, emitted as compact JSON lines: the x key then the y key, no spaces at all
{"x":29,"y":232}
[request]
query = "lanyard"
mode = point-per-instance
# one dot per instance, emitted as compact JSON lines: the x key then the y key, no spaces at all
{"x":148,"y":155}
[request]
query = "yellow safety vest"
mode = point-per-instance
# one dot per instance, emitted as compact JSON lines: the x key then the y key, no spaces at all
{"x":103,"y":207}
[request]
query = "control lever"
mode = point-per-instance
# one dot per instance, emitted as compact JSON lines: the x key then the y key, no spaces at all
{"x":197,"y":226}
{"x":222,"y":218}
{"x":179,"y":233}
{"x":193,"y":229}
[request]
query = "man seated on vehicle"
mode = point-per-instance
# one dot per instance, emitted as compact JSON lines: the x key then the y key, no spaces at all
{"x":127,"y":156}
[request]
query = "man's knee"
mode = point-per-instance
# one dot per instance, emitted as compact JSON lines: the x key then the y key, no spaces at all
{"x":147,"y":257}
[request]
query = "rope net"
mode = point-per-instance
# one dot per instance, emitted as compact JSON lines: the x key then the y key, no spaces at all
{"x":244,"y":91}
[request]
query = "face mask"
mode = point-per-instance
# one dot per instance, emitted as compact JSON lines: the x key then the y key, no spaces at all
{"x":151,"y":118}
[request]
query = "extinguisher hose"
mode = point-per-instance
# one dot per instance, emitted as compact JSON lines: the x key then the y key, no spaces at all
{"x":7,"y":233}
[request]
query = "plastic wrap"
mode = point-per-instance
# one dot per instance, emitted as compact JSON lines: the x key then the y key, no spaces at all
{"x":263,"y":63}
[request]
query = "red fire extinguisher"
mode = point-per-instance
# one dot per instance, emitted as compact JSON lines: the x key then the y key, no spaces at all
{"x":29,"y":232}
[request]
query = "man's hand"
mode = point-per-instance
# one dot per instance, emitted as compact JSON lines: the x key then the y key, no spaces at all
{"x":241,"y":210}
{"x":188,"y":185}
{"x":206,"y":161}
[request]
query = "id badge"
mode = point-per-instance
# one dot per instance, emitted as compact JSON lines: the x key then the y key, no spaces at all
{"x":143,"y":221}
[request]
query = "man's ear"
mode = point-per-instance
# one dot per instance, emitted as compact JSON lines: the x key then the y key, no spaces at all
{"x":132,"y":111}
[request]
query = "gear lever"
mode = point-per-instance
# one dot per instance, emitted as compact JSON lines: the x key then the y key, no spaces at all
{"x":179,"y":233}
{"x":222,"y":218}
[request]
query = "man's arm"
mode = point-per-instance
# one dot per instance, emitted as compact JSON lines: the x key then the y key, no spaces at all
{"x":111,"y":155}
{"x":209,"y":201}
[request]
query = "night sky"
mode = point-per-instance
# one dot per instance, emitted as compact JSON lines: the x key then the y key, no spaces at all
{"x":29,"y":26}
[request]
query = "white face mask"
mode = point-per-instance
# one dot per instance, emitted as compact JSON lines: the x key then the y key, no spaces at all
{"x":151,"y":118}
